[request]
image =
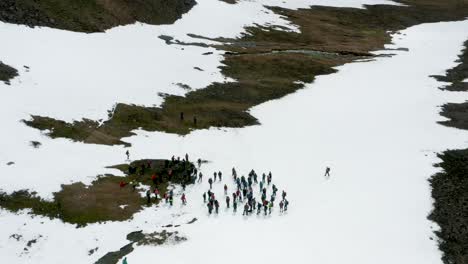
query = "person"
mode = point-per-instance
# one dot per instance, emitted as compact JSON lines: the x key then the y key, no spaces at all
{"x":156,"y":193}
{"x":204,"y":197}
{"x":171,"y":200}
{"x":234,"y":205}
{"x":186,"y":157}
{"x":215,"y":175}
{"x":148,"y":197}
{"x":225,"y":189}
{"x":234,"y":173}
{"x":128,"y":154}
{"x":281,"y":204}
{"x":259,"y":208}
{"x":227,"y":201}
{"x":255,"y":178}
{"x":261,"y":186}
{"x":265,"y":206}
{"x":283,"y":195}
{"x":184,"y":199}
{"x":269,"y":179}
{"x":327,"y":172}
{"x":200,"y":177}
{"x":210,"y":207}
{"x":263,"y":177}
{"x":270,"y":206}
{"x":286,"y":203}
{"x":122,"y":184}
{"x":246,"y":209}
{"x":183,"y":186}
{"x":210,"y":181}
{"x":166,"y":197}
{"x":220,"y":176}
{"x":216,"y":203}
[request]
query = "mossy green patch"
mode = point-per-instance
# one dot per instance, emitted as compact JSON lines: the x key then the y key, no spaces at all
{"x":7,"y":73}
{"x":267,"y":64}
{"x":106,"y":198}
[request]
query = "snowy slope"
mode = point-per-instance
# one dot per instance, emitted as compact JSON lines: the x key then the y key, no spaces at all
{"x":374,"y":123}
{"x":378,"y":134}
{"x":76,"y":75}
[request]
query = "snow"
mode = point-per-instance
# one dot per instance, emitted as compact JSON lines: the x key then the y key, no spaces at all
{"x":373,"y":123}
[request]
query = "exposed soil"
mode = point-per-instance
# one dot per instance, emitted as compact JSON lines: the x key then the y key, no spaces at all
{"x":104,"y":199}
{"x":7,"y":73}
{"x":458,"y":74}
{"x":450,"y":193}
{"x":263,"y":69}
{"x":450,"y":187}
{"x":92,"y":15}
{"x":139,"y":238}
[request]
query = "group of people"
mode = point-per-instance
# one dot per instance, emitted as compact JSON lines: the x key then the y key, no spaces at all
{"x":244,"y":194}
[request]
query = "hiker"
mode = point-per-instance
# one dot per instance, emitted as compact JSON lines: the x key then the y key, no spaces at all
{"x":200,"y":177}
{"x":263,"y":177}
{"x":156,"y":193}
{"x":270,"y":206}
{"x":171,"y":200}
{"x":195,"y":121}
{"x":246,"y":209}
{"x":286,"y":203}
{"x":234,"y":205}
{"x":234,"y":173}
{"x":204,"y":197}
{"x":184,"y":199}
{"x":281,"y":204}
{"x":122,"y":184}
{"x":128,"y":154}
{"x":148,"y":197}
{"x":199,"y":163}
{"x":227,"y":201}
{"x":220,"y":176}
{"x":216,"y":203}
{"x":327,"y":172}
{"x":255,"y":178}
{"x":283,"y":195}
{"x":181,"y":116}
{"x":265,"y":206}
{"x":210,"y":207}
{"x":210,"y":181}
{"x":261,"y":186}
{"x":269,"y":179}
{"x":225,"y":189}
{"x":259,"y":208}
{"x":215,"y":175}
{"x":274,"y":189}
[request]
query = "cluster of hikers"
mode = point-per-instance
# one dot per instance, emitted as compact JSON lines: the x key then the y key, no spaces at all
{"x":244,"y":194}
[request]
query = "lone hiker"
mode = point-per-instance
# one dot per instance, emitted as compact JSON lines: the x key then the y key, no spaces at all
{"x":128,"y":154}
{"x":327,"y":172}
{"x":184,"y":199}
{"x":200,"y":177}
